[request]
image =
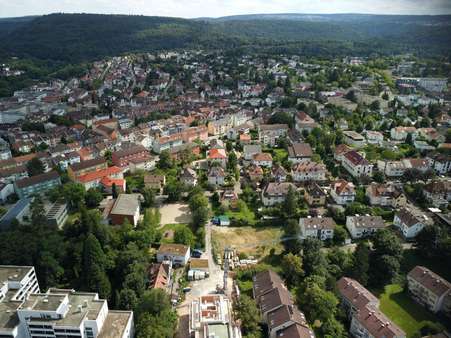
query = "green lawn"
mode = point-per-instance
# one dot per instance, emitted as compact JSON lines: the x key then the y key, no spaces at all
{"x":244,"y":214}
{"x":279,"y":155}
{"x":399,"y":307}
{"x":170,"y":227}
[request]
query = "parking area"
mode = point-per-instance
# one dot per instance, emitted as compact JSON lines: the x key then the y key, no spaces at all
{"x":175,"y":213}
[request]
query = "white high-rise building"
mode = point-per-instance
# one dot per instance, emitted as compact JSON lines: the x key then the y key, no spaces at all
{"x":58,"y":313}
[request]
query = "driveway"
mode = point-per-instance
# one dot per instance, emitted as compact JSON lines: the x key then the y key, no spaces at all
{"x":175,"y":213}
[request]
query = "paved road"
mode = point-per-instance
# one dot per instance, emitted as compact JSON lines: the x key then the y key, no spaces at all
{"x":201,"y":287}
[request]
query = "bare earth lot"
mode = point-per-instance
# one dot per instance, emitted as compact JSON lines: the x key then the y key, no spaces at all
{"x":175,"y":214}
{"x":251,"y":241}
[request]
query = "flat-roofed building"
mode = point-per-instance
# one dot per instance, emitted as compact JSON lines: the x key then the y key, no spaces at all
{"x":16,"y":283}
{"x":211,"y":316}
{"x":126,"y":207}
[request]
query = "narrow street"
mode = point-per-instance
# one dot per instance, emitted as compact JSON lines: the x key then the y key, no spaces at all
{"x":201,"y":287}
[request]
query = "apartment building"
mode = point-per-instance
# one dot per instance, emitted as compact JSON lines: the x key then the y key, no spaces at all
{"x":354,"y":139}
{"x":317,"y":227}
{"x":275,"y":193}
{"x":362,"y":310}
{"x":84,"y":167}
{"x":27,"y":313}
{"x":362,"y":226}
{"x":343,"y":192}
{"x":356,"y":164}
{"x":309,"y":171}
{"x":36,"y":185}
{"x":270,"y":133}
{"x":410,"y":220}
{"x":386,"y":195}
{"x":429,"y":289}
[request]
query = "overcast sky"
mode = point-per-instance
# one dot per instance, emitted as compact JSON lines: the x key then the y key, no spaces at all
{"x":216,"y":8}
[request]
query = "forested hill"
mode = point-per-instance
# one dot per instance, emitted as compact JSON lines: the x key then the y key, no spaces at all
{"x":82,"y":37}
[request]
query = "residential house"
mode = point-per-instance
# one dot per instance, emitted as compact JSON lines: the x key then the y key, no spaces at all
{"x":279,"y":173}
{"x":125,"y":207}
{"x":269,"y":134}
{"x":217,"y":156}
{"x":275,"y":193}
{"x":178,"y":254}
{"x":299,"y":152}
{"x":220,"y":127}
{"x":391,"y":168}
{"x":429,"y":289}
{"x":438,"y":192}
{"x":250,"y":150}
{"x":309,"y":171}
{"x":155,"y":182}
{"x":314,"y":195}
{"x":385,"y":195}
{"x":36,"y":185}
{"x":216,"y":176}
{"x":362,"y":226}
{"x":356,"y":164}
{"x":303,"y":121}
{"x":160,"y":275}
{"x":442,"y":164}
{"x":339,"y":152}
{"x":132,"y":158}
{"x":282,"y":317}
{"x":288,"y":318}
{"x":410,"y":220}
{"x":354,"y":139}
{"x":167,"y":142}
{"x":188,"y":176}
{"x":374,"y":137}
{"x":84,"y":167}
{"x":401,"y":133}
{"x":343,"y":192}
{"x":262,"y":160}
{"x":255,"y":173}
{"x":317,"y":227}
{"x":103,"y":178}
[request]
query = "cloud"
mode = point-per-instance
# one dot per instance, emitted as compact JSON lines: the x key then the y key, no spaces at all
{"x":215,"y":8}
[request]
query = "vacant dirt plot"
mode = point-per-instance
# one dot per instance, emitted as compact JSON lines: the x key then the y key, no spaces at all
{"x":175,"y":214}
{"x":251,"y":241}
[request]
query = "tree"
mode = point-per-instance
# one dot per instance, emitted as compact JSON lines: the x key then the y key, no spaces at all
{"x":75,"y":194}
{"x":361,"y":263}
{"x":317,"y":303}
{"x":165,"y":161}
{"x":149,"y":198}
{"x":290,"y":203}
{"x":292,"y":231}
{"x":340,"y":235}
{"x":199,"y":207}
{"x":386,"y":242}
{"x":94,"y":264}
{"x":427,"y":241}
{"x":332,"y":328}
{"x":232,"y":161}
{"x":292,"y":269}
{"x":93,"y":197}
{"x":35,"y":167}
{"x":127,"y":299}
{"x":384,"y":269}
{"x":184,"y":235}
{"x":247,"y":312}
{"x":313,"y":258}
{"x":114,"y":193}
